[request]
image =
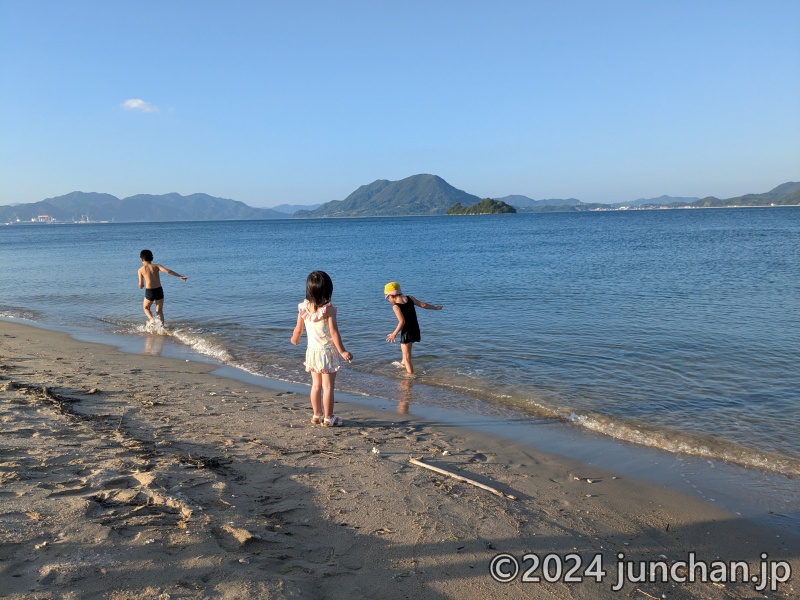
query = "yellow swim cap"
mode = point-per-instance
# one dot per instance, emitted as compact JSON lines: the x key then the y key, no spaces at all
{"x":391,"y":289}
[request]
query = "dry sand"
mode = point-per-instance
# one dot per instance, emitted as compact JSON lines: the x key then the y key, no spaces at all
{"x":135,"y":476}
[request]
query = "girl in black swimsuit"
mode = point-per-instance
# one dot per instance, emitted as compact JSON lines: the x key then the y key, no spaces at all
{"x":407,"y":324}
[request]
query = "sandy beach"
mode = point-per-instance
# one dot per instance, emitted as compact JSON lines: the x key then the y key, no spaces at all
{"x":138,"y":476}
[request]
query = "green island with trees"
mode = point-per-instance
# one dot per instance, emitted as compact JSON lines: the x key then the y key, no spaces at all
{"x":487,"y":206}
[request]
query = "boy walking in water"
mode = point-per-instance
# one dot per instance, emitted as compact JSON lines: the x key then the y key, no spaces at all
{"x":407,"y":324}
{"x":150,"y":280}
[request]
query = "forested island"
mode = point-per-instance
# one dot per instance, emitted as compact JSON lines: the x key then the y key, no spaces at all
{"x":487,"y":206}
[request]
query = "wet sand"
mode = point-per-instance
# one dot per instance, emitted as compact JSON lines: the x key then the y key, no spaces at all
{"x":139,"y":476}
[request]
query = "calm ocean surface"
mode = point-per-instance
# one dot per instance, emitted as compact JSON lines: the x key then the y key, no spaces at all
{"x":674,"y":329}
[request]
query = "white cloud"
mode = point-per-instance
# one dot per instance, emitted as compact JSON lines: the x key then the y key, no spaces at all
{"x":140,"y":105}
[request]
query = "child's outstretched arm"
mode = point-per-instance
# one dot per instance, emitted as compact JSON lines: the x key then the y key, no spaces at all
{"x":400,"y":322}
{"x":426,"y":305}
{"x":171,"y":272}
{"x":337,"y":339}
{"x":298,"y":330}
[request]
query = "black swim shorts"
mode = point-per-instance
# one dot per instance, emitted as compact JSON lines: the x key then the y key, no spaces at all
{"x":154,"y":293}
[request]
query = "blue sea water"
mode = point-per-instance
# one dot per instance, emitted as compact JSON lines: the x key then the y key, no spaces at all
{"x":675,"y":329}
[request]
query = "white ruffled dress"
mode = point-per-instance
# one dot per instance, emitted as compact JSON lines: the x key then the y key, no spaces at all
{"x":321,"y":355}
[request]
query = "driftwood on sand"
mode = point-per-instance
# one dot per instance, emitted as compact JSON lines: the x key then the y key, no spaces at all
{"x":496,"y":492}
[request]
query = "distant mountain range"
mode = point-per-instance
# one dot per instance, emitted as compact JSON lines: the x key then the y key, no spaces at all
{"x":94,"y":207}
{"x":525,"y":202}
{"x":786,"y":194}
{"x":415,"y":195}
{"x":290,"y":209}
{"x":660,"y":201}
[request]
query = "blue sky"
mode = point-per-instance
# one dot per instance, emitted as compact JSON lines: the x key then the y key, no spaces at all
{"x":302,"y":102}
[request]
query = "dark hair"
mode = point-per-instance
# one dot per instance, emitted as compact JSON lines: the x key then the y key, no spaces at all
{"x":319,"y":288}
{"x":147,"y":255}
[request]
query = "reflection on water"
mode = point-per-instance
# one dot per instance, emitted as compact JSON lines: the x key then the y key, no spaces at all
{"x":404,"y":395}
{"x":153,"y":344}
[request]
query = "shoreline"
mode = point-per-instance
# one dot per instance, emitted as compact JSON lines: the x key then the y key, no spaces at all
{"x":755,"y":494}
{"x":131,"y":475}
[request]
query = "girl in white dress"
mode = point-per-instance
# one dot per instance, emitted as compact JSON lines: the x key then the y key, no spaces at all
{"x":326,"y":352}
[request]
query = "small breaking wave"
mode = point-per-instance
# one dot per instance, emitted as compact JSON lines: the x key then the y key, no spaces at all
{"x":549,"y":406}
{"x":24,"y":314}
{"x":202,"y":344}
{"x":194,"y":338}
{"x":682,"y":442}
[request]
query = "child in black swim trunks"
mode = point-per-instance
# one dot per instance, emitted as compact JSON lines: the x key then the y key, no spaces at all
{"x":407,"y":324}
{"x":150,"y":280}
